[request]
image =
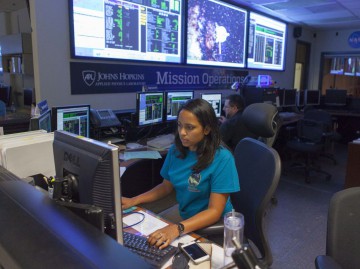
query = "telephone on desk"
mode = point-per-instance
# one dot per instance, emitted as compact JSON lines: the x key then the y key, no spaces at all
{"x":104,"y":118}
{"x":106,"y":124}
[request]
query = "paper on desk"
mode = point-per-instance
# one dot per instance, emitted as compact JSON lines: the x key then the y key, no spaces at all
{"x":146,"y":154}
{"x":146,"y":227}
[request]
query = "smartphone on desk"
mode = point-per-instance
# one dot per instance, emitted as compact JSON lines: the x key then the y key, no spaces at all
{"x":195,"y":252}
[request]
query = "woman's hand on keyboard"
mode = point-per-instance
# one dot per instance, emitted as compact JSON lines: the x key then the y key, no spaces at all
{"x":164,"y":236}
{"x":127,"y":203}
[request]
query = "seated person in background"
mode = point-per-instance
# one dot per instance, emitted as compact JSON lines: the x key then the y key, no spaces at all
{"x":200,"y":170}
{"x":232,"y":128}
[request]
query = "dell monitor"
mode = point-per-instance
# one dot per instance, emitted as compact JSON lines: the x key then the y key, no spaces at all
{"x":74,"y":119}
{"x":91,"y":171}
{"x":312,"y":97}
{"x":215,"y":101}
{"x":174,"y":101}
{"x":335,"y":97}
{"x":149,"y":108}
{"x":41,"y":122}
{"x":289,"y":98}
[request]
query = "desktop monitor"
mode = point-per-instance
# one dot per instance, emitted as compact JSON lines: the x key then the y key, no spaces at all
{"x":174,"y":100}
{"x":270,"y":95}
{"x":335,"y":97}
{"x":41,"y":122}
{"x":312,"y":97}
{"x":289,"y":98}
{"x":5,"y":94}
{"x":93,"y":174}
{"x":74,"y":119}
{"x":29,"y":96}
{"x":215,"y":101}
{"x":149,"y":108}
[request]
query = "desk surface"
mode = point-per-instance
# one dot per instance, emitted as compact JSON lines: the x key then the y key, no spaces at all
{"x":217,"y":255}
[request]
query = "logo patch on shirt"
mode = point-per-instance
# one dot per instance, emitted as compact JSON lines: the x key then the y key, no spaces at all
{"x":194,"y":181}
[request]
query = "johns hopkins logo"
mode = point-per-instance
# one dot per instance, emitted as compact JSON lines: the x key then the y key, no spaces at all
{"x":89,"y":77}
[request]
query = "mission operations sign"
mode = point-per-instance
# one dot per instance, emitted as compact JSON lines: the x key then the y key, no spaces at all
{"x":88,"y":78}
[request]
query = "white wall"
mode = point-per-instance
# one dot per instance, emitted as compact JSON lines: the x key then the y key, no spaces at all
{"x":331,"y":41}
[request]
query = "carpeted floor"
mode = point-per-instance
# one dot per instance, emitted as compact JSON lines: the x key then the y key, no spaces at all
{"x":297,"y":224}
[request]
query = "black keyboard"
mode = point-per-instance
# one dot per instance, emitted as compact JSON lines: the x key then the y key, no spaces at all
{"x":153,"y":255}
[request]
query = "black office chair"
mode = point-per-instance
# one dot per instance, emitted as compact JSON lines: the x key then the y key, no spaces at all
{"x":263,"y":120}
{"x":332,"y":135}
{"x":310,"y":140}
{"x":258,"y":184}
{"x":343,"y":235}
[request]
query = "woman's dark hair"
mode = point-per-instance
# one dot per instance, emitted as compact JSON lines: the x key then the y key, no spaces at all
{"x":206,"y":148}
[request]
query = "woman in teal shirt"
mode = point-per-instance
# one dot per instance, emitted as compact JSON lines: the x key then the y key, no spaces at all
{"x":200,"y":170}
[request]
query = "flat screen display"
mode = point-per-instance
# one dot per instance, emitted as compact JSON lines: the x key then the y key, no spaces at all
{"x":312,"y":97}
{"x":267,"y":43}
{"x":349,"y":66}
{"x":130,"y":30}
{"x":289,"y":98}
{"x":214,"y":100}
{"x":357,"y":67}
{"x":74,"y":119}
{"x":337,"y":66}
{"x":216,"y":33}
{"x":149,"y":107}
{"x":335,"y":97}
{"x":174,"y":101}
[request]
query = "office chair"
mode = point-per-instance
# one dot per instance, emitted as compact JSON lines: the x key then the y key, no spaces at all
{"x":325,"y":117}
{"x":2,"y":109}
{"x":343,"y":236}
{"x":258,"y":184}
{"x":310,"y":141}
{"x":262,"y":119}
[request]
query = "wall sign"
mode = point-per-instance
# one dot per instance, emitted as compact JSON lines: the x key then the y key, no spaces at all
{"x":91,"y":78}
{"x":354,"y":40}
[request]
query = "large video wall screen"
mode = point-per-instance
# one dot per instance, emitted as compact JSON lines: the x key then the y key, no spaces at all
{"x":132,"y":30}
{"x":216,"y":33}
{"x":267,"y":43}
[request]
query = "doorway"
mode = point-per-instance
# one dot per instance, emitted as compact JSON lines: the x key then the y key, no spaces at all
{"x":302,"y":62}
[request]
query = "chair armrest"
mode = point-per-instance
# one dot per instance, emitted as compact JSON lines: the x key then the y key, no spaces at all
{"x":326,"y":262}
{"x":215,"y":229}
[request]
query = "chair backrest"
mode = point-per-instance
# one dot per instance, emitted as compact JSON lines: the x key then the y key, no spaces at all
{"x":257,"y":186}
{"x":2,"y":108}
{"x":343,"y":230}
{"x":311,"y":130}
{"x":262,"y":120}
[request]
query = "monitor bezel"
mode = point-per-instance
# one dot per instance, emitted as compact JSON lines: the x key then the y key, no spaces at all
{"x":223,"y":64}
{"x":343,"y":96}
{"x":177,"y":61}
{"x":173,"y":118}
{"x":284,"y":104}
{"x":220,"y":105}
{"x":35,"y":121}
{"x":71,"y":144}
{"x":54,"y":116}
{"x":306,"y":103}
{"x":160,"y":120}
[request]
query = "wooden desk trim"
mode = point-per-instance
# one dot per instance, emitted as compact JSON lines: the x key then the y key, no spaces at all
{"x":352,"y":177}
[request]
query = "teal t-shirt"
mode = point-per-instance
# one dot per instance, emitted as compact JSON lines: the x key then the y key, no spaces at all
{"x":193,"y":190}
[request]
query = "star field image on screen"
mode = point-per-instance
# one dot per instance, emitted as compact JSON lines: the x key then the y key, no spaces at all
{"x":216,"y":33}
{"x":132,"y":30}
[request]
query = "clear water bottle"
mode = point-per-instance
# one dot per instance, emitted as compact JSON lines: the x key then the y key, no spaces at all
{"x":233,"y":228}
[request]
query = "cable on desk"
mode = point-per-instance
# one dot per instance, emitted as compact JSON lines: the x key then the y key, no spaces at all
{"x":136,"y":223}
